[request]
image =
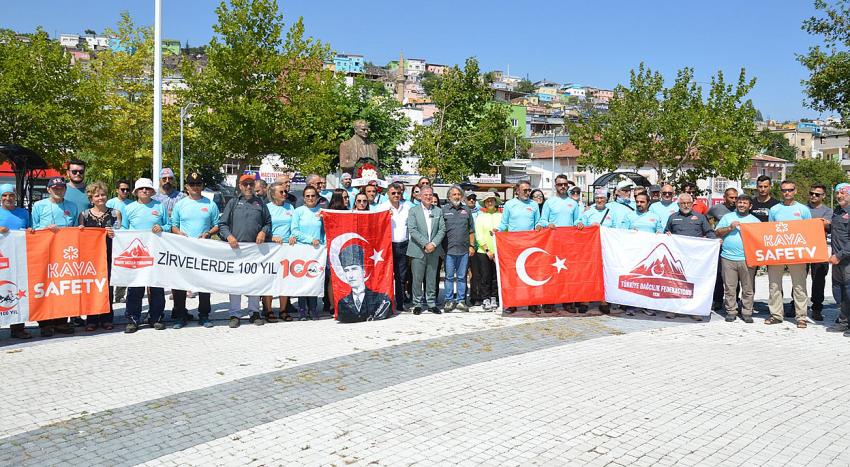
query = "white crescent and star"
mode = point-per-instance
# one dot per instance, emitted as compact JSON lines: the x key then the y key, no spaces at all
{"x":559,"y":265}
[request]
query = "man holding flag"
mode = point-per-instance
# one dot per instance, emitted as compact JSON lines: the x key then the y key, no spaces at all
{"x":560,"y":211}
{"x":520,"y":214}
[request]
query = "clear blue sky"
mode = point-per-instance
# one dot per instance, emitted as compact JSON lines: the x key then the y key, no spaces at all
{"x":591,"y":43}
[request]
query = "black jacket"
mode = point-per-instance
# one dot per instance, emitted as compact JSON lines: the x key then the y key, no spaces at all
{"x":375,"y":306}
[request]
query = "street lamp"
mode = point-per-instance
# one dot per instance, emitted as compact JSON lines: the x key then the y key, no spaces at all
{"x":183,"y":112}
{"x":157,"y":89}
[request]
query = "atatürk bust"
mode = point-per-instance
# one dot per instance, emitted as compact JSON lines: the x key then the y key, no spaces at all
{"x":356,"y":148}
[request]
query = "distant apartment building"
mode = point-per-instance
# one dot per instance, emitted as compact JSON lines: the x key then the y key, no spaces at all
{"x":436,"y":69}
{"x":599,"y":96}
{"x":801,"y":138}
{"x":170,"y":47}
{"x":349,"y":64}
{"x":414,"y":67}
{"x":574,"y":90}
{"x":91,"y":41}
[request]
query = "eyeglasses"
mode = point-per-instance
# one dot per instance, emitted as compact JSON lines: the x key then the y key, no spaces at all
{"x":247,"y":183}
{"x":666,"y":193}
{"x":562,"y":184}
{"x":788,"y":190}
{"x":814,"y":193}
{"x":123,"y":189}
{"x":361,"y":200}
{"x":526,"y":190}
{"x":537,"y":197}
{"x":77,"y":172}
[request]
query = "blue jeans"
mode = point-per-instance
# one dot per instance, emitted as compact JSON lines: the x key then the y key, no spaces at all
{"x":156,"y":300}
{"x":456,"y":272}
{"x":308,"y":305}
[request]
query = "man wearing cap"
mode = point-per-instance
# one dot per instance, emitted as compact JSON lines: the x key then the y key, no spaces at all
{"x":688,"y":223}
{"x":624,"y":193}
{"x":654,"y":194}
{"x":363,"y":303}
{"x":599,"y":214}
{"x":821,"y":211}
{"x":788,"y":211}
{"x":168,"y":194}
{"x":345,"y":182}
{"x":840,"y":258}
{"x":54,"y":212}
{"x":736,"y":274}
{"x":75,"y":191}
{"x":246,"y":218}
{"x":472,"y":204}
{"x":426,"y":227}
{"x":145,"y":213}
{"x":196,"y":217}
{"x":13,"y":218}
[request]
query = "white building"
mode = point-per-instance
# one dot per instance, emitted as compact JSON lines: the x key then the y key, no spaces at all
{"x":414,"y":67}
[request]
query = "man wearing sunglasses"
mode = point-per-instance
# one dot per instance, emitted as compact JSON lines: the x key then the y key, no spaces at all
{"x":120,"y":202}
{"x":819,"y":210}
{"x":76,"y":186}
{"x":788,"y":211}
{"x":168,"y":194}
{"x":520,"y":214}
{"x":665,"y":207}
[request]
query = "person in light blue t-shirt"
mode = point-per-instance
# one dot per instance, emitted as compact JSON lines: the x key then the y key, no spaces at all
{"x":281,"y":211}
{"x":76,"y":189}
{"x":122,"y":197}
{"x":521,"y":213}
{"x":197,"y":217}
{"x":560,"y":210}
{"x":788,"y":211}
{"x":666,"y":206}
{"x":643,"y":220}
{"x":308,"y":228}
{"x":13,"y":218}
{"x":733,"y":263}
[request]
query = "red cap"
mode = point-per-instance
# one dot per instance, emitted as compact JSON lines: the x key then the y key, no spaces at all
{"x":246,"y":177}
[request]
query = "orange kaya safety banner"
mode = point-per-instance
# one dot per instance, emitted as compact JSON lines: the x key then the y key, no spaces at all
{"x":793,"y":242}
{"x":67,"y":273}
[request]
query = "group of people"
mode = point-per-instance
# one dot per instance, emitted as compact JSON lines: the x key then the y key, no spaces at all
{"x":455,"y":238}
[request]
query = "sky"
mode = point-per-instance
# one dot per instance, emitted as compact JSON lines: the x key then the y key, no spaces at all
{"x":592,"y":43}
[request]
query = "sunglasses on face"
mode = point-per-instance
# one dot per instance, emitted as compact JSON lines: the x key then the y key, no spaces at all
{"x":77,"y":172}
{"x":562,"y":184}
{"x":787,"y":190}
{"x":361,"y":200}
{"x":667,"y":193}
{"x":247,"y":184}
{"x":124,"y":189}
{"x":812,"y":193}
{"x":526,"y":190}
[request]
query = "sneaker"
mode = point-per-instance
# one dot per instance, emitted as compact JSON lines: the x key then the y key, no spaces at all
{"x":417,"y":310}
{"x":131,"y":328}
{"x":846,"y":334}
{"x":159,"y":325}
{"x":648,"y":312}
{"x":178,"y":325}
{"x":605,"y":308}
{"x":730,"y":318}
{"x":696,"y":317}
{"x":548,"y":308}
{"x":582,"y":308}
{"x":448,"y":307}
{"x":206,"y":323}
{"x":303,"y":318}
{"x":20,"y":333}
{"x":461,"y":307}
{"x":257,"y":319}
{"x":486,"y":304}
{"x":748,"y":319}
{"x":494,"y":303}
{"x":234,"y":322}
{"x":840,"y":327}
{"x":817,"y":315}
{"x":629,"y":311}
{"x":670,"y":315}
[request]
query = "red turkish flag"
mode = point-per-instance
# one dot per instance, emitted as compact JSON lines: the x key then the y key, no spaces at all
{"x":360,"y":256}
{"x":550,"y":266}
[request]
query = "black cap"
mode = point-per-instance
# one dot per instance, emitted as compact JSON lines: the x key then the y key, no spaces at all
{"x":351,"y":255}
{"x":56,"y":181}
{"x":194,"y":177}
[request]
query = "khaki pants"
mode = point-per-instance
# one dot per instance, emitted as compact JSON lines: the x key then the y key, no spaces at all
{"x":735,"y":272}
{"x":798,"y":290}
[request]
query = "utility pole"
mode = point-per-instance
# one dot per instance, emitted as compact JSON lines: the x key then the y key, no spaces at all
{"x":157,"y":91}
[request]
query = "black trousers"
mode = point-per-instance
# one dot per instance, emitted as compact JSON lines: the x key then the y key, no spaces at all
{"x":400,"y":271}
{"x":484,"y":276}
{"x":178,"y":312}
{"x":818,"y":272}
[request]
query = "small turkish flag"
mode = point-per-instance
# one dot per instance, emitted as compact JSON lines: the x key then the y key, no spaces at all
{"x":550,"y":266}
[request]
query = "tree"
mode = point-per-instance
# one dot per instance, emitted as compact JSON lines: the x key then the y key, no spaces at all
{"x":430,"y":82}
{"x":470,"y":133}
{"x":774,"y":144}
{"x":524,"y":86}
{"x":48,"y":105}
{"x":263,"y":93}
{"x":828,"y":86}
{"x":759,"y":116}
{"x":676,"y":130}
{"x":809,"y":171}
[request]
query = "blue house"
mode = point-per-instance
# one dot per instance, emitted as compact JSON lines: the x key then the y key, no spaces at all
{"x":346,"y":63}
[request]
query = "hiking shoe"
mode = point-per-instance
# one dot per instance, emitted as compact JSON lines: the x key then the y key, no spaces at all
{"x":257,"y":319}
{"x":840,"y":327}
{"x":448,"y":307}
{"x":817,"y":315}
{"x":206,"y":323}
{"x":730,"y":318}
{"x":748,"y":319}
{"x":131,"y":328}
{"x":234,"y":322}
{"x":461,"y":307}
{"x":159,"y":325}
{"x":178,"y":325}
{"x":648,"y":312}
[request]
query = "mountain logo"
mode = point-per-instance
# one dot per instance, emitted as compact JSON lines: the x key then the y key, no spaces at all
{"x":4,"y":261}
{"x":10,"y":296}
{"x":134,"y":257}
{"x":659,"y":275}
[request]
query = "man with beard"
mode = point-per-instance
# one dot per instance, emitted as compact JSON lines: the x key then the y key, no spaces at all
{"x":715,"y":213}
{"x":458,"y":245}
{"x":75,"y":191}
{"x":821,"y":211}
{"x":688,"y":223}
{"x":168,"y":194}
{"x":560,"y":210}
{"x":736,"y":274}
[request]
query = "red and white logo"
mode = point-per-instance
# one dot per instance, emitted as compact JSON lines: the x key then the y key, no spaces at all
{"x":205,"y":209}
{"x":134,"y":257}
{"x":154,"y":213}
{"x":4,"y":262}
{"x":522,"y":269}
{"x":659,"y":275}
{"x":10,"y":295}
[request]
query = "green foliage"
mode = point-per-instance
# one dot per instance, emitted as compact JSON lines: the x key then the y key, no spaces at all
{"x":470,"y":132}
{"x":808,"y":171}
{"x":524,"y":86}
{"x":828,"y":86}
{"x":47,"y":104}
{"x":676,"y":130}
{"x":430,"y":82}
{"x":774,"y":144}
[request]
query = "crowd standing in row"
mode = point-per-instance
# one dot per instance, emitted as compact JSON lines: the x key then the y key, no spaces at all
{"x":456,"y":237}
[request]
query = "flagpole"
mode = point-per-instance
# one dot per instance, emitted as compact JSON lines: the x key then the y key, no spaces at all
{"x":157,"y":90}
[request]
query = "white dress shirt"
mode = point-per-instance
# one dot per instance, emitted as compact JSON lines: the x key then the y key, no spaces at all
{"x":428,"y":221}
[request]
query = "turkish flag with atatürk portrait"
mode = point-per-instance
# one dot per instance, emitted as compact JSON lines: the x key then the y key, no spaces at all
{"x":550,"y":266}
{"x":360,"y":253}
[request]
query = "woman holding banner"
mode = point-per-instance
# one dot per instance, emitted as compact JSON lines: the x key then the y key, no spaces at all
{"x":308,"y":228}
{"x":13,"y":218}
{"x":281,"y":211}
{"x":101,"y":217}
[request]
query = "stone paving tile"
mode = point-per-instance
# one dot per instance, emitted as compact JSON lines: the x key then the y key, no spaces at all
{"x":724,"y":395}
{"x":157,"y":427}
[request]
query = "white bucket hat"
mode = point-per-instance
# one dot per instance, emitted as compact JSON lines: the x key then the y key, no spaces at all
{"x":143,"y":183}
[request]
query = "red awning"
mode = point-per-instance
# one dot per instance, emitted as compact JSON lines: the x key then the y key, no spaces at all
{"x":6,"y":169}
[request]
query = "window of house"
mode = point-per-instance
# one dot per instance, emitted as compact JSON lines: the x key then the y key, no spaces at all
{"x":803,"y":154}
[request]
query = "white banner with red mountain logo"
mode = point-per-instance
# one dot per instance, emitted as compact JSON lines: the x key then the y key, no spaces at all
{"x":659,"y":272}
{"x":14,"y":304}
{"x":146,"y":259}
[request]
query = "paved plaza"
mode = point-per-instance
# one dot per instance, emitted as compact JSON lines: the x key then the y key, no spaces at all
{"x":462,"y":388}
